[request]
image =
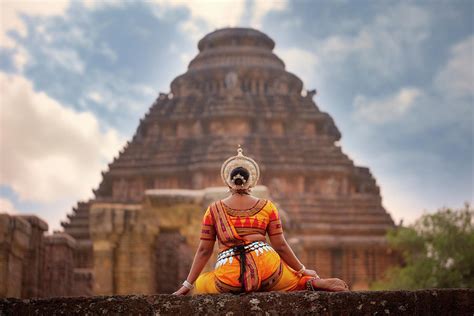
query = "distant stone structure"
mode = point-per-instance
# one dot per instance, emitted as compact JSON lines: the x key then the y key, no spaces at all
{"x":235,"y":91}
{"x":33,"y":264}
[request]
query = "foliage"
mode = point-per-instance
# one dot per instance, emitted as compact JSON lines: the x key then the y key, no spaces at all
{"x":437,"y":251}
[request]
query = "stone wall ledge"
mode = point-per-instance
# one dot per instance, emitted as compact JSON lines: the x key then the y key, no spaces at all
{"x":423,"y":302}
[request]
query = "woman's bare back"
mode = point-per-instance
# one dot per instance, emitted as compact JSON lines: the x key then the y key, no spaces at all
{"x":240,"y":202}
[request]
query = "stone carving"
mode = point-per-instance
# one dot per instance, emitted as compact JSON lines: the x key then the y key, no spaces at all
{"x":311,"y":93}
{"x":231,"y":80}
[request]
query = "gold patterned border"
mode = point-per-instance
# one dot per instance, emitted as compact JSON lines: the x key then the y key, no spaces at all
{"x":223,"y":287}
{"x":243,"y":213}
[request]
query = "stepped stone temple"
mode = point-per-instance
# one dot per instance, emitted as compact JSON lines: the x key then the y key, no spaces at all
{"x":139,"y":232}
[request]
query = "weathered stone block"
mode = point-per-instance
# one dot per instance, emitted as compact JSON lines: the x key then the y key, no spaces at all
{"x":15,"y":236}
{"x":83,"y":282}
{"x":59,"y":265}
{"x":456,"y":302}
{"x":33,"y":265}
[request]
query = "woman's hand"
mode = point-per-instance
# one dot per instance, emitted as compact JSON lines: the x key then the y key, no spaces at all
{"x":182,"y":291}
{"x":310,"y":273}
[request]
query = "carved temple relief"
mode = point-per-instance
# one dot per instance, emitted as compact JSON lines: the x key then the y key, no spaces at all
{"x":232,"y":84}
{"x":231,"y":126}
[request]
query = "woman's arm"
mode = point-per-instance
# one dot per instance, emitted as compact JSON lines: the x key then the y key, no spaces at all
{"x":201,"y":257}
{"x":281,"y":246}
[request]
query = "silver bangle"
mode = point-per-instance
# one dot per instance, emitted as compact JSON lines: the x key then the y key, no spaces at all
{"x":188,"y":285}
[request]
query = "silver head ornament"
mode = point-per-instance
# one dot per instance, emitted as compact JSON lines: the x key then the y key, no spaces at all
{"x":240,"y":161}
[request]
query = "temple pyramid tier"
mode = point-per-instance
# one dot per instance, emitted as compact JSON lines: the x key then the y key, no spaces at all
{"x":237,"y":91}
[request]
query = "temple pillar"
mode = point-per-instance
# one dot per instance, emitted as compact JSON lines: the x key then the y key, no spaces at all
{"x":179,"y":214}
{"x":361,"y":275}
{"x":15,"y":234}
{"x":170,"y":260}
{"x":104,"y":267}
{"x":59,"y":266}
{"x":123,"y":245}
{"x":33,"y":266}
{"x":135,"y":264}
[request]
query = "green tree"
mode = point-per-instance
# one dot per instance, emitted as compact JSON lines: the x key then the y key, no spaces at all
{"x":437,"y":251}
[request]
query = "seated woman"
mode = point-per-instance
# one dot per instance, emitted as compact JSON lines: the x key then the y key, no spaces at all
{"x":246,"y":262}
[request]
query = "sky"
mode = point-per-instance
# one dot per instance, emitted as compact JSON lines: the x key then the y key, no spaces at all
{"x":77,"y":76}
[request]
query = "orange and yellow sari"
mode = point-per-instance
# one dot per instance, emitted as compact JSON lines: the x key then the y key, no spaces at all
{"x":262,"y":269}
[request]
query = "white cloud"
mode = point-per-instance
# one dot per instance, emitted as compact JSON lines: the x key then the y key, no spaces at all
{"x":20,"y":58}
{"x":291,"y":22}
{"x":300,"y":62}
{"x":215,"y":13}
{"x":49,"y":151}
{"x":456,"y":78}
{"x":95,"y":4}
{"x":185,"y":58}
{"x":95,"y":96}
{"x":10,"y":20}
{"x":218,"y":14}
{"x":380,"y":46}
{"x":262,"y":7}
{"x":6,"y":206}
{"x":341,"y":46}
{"x":12,"y":10}
{"x":106,"y":51}
{"x":384,"y":46}
{"x":144,"y":90}
{"x":381,"y":110}
{"x":117,"y":94}
{"x":67,"y":59}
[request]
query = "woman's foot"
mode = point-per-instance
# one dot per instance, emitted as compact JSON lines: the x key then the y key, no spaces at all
{"x":331,"y":284}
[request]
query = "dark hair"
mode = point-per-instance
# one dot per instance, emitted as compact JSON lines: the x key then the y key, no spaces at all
{"x":243,"y":172}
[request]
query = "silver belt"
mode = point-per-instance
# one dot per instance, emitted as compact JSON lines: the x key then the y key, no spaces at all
{"x":228,"y":255}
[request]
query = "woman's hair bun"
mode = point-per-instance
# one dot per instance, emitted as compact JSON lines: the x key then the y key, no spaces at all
{"x":239,"y":176}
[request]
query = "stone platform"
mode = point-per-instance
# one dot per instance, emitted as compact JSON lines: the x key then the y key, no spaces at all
{"x":425,"y":302}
